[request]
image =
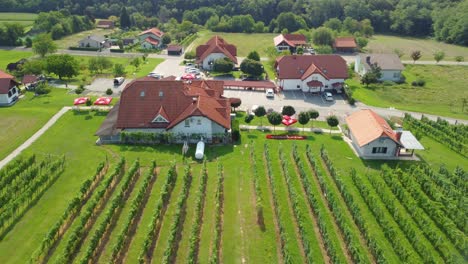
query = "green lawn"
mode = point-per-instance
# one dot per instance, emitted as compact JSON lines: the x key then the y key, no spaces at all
{"x":26,"y":19}
{"x":387,"y":44}
{"x":442,"y":94}
{"x":245,"y":42}
{"x":72,"y":40}
{"x":9,"y":56}
{"x":264,"y":121}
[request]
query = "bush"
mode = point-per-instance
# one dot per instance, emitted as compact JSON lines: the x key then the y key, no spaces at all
{"x":248,"y":118}
{"x":117,"y":50}
{"x":235,"y":131}
{"x":388,"y":83}
{"x":109,"y":91}
{"x":419,"y":82}
{"x":223,"y":65}
{"x":42,"y":88}
{"x":189,"y":55}
{"x":83,"y":48}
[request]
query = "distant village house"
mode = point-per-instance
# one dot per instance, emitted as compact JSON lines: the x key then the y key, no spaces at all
{"x":9,"y":91}
{"x":215,"y":48}
{"x":94,"y":42}
{"x":390,"y":65}
{"x":345,"y":45}
{"x":289,"y":42}
{"x":151,"y":38}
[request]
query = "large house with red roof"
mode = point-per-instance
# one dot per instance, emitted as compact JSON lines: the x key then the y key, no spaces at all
{"x":345,"y":44}
{"x":9,"y":90}
{"x":373,"y":138}
{"x":289,"y":42}
{"x":311,"y":73}
{"x":215,"y":48}
{"x":151,"y":38}
{"x":185,"y":110}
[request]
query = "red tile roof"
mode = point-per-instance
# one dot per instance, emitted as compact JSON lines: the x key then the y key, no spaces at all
{"x":301,"y":67}
{"x":155,"y":31}
{"x":367,"y":126}
{"x":345,"y":42}
{"x":6,"y":82}
{"x":105,"y":24}
{"x":174,"y":48}
{"x":29,"y":79}
{"x":216,"y":45}
{"x":143,"y":99}
{"x":152,"y":41}
{"x":291,"y":39}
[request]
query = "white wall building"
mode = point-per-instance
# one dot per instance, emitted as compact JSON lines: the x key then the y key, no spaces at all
{"x":9,"y":91}
{"x":390,"y":65}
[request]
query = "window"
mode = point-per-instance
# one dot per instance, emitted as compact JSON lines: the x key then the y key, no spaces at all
{"x":396,"y":75}
{"x":187,"y":122}
{"x":160,"y":119}
{"x":298,"y":86}
{"x":379,"y":150}
{"x":198,"y":121}
{"x":9,"y":93}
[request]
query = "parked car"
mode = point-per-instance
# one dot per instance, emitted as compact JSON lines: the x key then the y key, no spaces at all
{"x":328,"y":96}
{"x":118,"y":81}
{"x":155,"y":75}
{"x":189,"y":64}
{"x":192,"y":70}
{"x":269,"y":93}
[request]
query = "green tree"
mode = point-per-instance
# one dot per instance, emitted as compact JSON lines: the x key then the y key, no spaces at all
{"x":223,"y":65}
{"x":275,"y":119}
{"x":361,"y":42}
{"x":62,"y":65}
{"x":439,"y":55}
{"x":372,"y":76}
{"x":28,"y":42}
{"x":34,"y":66}
{"x":332,"y":121}
{"x":235,"y":102}
{"x":251,"y":67}
{"x":124,"y":18}
{"x":43,"y":44}
{"x":416,"y":55}
{"x":118,"y":70}
{"x":323,"y":49}
{"x":99,"y":64}
{"x":290,"y":21}
{"x":260,"y":112}
{"x":322,"y":36}
{"x":288,"y":110}
{"x":303,"y":119}
{"x":253,"y":55}
{"x":333,"y":24}
{"x":313,"y":114}
{"x":136,"y":63}
{"x":11,"y":34}
{"x":166,"y":39}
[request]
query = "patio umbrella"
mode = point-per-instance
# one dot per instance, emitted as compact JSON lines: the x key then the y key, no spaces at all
{"x":188,"y":76}
{"x":80,"y":100}
{"x":103,"y":101}
{"x":287,"y":120}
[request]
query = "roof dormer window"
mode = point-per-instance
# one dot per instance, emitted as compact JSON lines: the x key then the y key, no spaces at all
{"x":160,"y":119}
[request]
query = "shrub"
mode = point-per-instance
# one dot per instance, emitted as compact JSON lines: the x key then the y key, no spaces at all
{"x":109,"y":91}
{"x":42,"y":88}
{"x":189,"y":55}
{"x":421,"y":82}
{"x":235,"y":131}
{"x":248,"y":118}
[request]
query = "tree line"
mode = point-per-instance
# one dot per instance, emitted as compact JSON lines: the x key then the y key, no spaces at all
{"x":445,"y":19}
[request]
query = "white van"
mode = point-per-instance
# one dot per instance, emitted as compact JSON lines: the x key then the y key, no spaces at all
{"x":118,"y":81}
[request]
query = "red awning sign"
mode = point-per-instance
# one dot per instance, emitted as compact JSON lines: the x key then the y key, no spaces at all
{"x":289,"y":137}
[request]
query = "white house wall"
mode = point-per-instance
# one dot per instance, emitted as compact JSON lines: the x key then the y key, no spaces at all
{"x":92,"y":43}
{"x":381,"y":142}
{"x":211,"y":58}
{"x":297,"y":84}
{"x":5,"y":99}
{"x":388,"y":75}
{"x":204,"y":127}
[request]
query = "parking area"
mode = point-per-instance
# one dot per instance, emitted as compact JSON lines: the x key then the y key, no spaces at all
{"x":100,"y":85}
{"x":300,"y":101}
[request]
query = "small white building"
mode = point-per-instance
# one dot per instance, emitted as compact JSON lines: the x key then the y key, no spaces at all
{"x":311,"y":73}
{"x":9,"y":91}
{"x":216,"y":48}
{"x":373,"y":138}
{"x":151,"y":38}
{"x":289,"y":42}
{"x":94,"y":42}
{"x":390,"y":65}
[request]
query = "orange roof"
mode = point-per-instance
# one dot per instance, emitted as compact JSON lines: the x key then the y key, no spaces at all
{"x":345,"y":42}
{"x":216,"y":45}
{"x":6,"y":82}
{"x":290,"y":39}
{"x":155,"y":31}
{"x":367,"y":126}
{"x":152,"y":41}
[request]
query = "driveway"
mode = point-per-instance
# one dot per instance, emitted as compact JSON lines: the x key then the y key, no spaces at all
{"x":100,"y":85}
{"x":171,"y":66}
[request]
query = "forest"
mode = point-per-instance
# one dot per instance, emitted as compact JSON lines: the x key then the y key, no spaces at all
{"x":446,"y":20}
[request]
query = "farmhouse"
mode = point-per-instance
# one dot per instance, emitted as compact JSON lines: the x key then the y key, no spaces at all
{"x":390,"y":65}
{"x":9,"y":90}
{"x":289,"y":42}
{"x":182,"y":111}
{"x":94,"y":42}
{"x":373,"y":138}
{"x":345,"y":45}
{"x":311,"y":73}
{"x":151,"y":38}
{"x":215,"y":48}
{"x":30,"y":81}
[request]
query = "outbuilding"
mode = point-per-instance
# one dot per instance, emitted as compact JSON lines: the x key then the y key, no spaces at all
{"x":9,"y":91}
{"x":175,"y":50}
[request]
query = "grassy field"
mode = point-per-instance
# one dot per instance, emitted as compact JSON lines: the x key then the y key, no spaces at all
{"x":72,"y":40}
{"x":387,"y":44}
{"x":9,"y":56}
{"x":245,"y":165}
{"x":442,"y":94}
{"x":245,"y":43}
{"x":264,"y":121}
{"x":26,"y":19}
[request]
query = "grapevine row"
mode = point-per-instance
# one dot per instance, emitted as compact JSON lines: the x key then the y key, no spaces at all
{"x":412,"y":232}
{"x":372,"y":242}
{"x":389,"y":230}
{"x":219,"y":207}
{"x":194,"y":239}
{"x":257,"y":189}
{"x":432,"y":209}
{"x":16,"y":209}
{"x":74,"y":206}
{"x":350,"y":238}
{"x":179,"y":216}
{"x":136,"y":208}
{"x":283,"y":237}
{"x":431,"y":231}
{"x":89,"y":212}
{"x":112,"y":213}
{"x":300,"y":218}
{"x":13,"y":169}
{"x":151,"y":235}
{"x":459,"y":178}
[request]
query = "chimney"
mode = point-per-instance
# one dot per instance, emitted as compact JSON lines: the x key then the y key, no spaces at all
{"x":368,"y":59}
{"x":398,"y":131}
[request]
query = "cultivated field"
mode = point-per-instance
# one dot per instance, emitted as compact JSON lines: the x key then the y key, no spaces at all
{"x":259,"y":201}
{"x":443,"y":93}
{"x":25,"y":19}
{"x":245,"y":42}
{"x":387,"y":44}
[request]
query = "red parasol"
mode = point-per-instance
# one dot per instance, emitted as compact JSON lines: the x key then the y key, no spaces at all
{"x":287,"y":120}
{"x":80,"y":100}
{"x":103,"y":101}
